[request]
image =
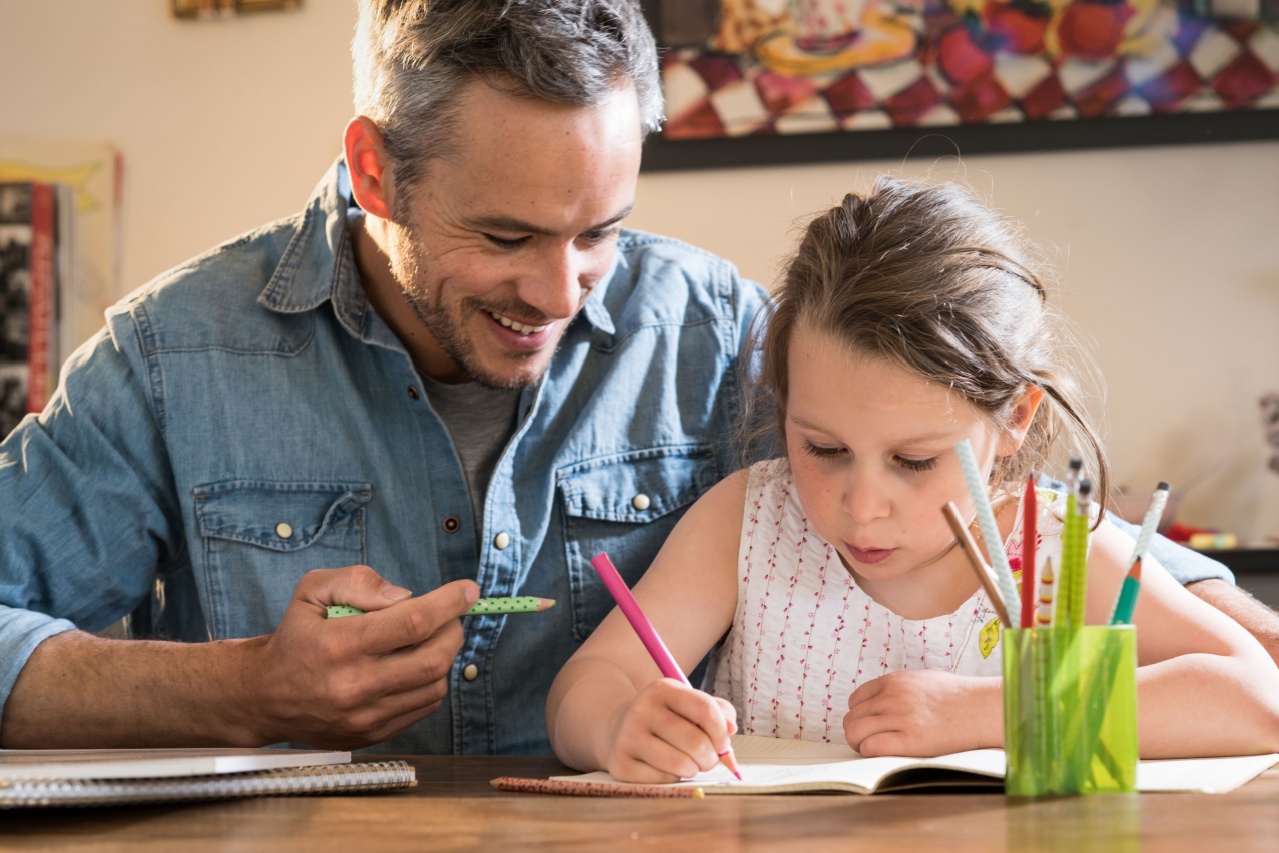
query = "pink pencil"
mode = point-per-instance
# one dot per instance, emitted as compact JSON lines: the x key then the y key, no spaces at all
{"x":1029,"y":532}
{"x":648,"y":636}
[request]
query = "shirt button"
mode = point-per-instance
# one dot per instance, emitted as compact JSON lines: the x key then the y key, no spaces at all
{"x":284,"y":530}
{"x":470,"y":672}
{"x":641,"y":502}
{"x":413,"y":392}
{"x":452,"y":525}
{"x":501,"y":540}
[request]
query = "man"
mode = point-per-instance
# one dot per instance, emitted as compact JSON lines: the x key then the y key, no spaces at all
{"x":452,"y":372}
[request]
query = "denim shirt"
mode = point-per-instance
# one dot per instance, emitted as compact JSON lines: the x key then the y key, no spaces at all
{"x":247,"y":418}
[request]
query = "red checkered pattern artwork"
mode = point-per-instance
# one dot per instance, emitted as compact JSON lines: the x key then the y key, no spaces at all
{"x":812,"y":66}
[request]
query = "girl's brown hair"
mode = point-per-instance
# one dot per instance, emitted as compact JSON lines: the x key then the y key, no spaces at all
{"x":930,"y":278}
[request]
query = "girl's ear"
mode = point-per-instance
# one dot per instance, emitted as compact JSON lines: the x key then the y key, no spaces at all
{"x":1019,"y":421}
{"x":367,"y":164}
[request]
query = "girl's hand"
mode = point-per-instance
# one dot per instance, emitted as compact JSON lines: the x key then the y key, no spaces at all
{"x":670,"y":732}
{"x":925,"y":713}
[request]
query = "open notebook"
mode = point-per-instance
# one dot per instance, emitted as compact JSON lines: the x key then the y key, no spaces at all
{"x":94,"y":777}
{"x":773,"y":766}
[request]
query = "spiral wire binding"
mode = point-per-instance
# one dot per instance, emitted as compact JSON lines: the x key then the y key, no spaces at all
{"x":319,"y":779}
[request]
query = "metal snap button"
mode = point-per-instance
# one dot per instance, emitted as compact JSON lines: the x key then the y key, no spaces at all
{"x":413,"y":392}
{"x":501,"y":540}
{"x":471,"y":672}
{"x":641,"y":502}
{"x":284,"y":530}
{"x":452,"y":524}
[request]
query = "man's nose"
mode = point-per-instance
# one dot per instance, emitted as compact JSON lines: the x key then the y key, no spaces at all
{"x":556,"y":289}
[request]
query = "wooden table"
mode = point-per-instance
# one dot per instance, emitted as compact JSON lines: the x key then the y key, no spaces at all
{"x":454,"y":808}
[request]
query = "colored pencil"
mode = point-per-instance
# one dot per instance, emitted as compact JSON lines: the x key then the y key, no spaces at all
{"x":1078,"y":601}
{"x":1158,"y":500}
{"x":648,"y":635}
{"x":990,"y":531}
{"x":969,"y":547}
{"x":1126,"y":602}
{"x":1044,"y":615}
{"x":482,"y":607}
{"x":1029,"y":532}
{"x":1066,"y":561}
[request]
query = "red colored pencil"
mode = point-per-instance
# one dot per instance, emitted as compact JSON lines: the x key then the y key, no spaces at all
{"x":1029,"y":532}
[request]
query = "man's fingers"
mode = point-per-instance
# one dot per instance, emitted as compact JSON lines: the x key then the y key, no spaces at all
{"x":416,"y":620}
{"x":357,"y":586}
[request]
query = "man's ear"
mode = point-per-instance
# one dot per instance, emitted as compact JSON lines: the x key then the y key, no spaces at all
{"x":1019,"y":421}
{"x":367,"y":163}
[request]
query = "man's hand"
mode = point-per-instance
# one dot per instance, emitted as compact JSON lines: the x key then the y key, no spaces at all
{"x":337,"y":683}
{"x":351,"y":682}
{"x":924,"y":713}
{"x":669,"y":732}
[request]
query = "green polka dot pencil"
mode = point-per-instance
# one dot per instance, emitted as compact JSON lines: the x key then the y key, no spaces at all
{"x":483,"y":607}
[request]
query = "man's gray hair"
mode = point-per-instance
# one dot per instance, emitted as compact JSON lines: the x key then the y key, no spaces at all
{"x":414,"y":58}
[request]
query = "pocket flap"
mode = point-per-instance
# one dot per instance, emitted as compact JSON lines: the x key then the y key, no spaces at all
{"x":640,"y":486}
{"x":278,"y":516}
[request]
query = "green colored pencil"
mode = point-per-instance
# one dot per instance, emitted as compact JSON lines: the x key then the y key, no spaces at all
{"x":483,"y":607}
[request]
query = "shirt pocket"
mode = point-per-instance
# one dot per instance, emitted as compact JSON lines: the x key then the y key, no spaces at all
{"x":260,"y":537}
{"x":625,"y":505}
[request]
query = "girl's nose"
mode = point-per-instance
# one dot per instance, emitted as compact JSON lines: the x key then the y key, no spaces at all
{"x":864,"y":498}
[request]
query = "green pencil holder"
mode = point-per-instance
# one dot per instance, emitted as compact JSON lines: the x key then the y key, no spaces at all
{"x":1070,"y":710}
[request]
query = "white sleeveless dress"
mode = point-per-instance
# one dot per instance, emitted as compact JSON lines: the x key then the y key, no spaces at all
{"x":805,"y":635}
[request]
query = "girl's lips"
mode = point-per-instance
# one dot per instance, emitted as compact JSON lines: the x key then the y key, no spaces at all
{"x":870,"y":556}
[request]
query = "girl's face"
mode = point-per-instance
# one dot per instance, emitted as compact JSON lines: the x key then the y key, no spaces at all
{"x":872,"y":451}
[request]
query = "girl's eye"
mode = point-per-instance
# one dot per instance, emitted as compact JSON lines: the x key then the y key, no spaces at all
{"x":917,"y":464}
{"x":821,"y":452}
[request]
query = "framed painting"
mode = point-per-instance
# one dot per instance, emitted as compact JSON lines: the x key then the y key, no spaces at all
{"x":753,"y":82}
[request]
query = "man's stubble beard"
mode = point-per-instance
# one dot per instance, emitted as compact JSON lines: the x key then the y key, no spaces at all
{"x":405,"y":255}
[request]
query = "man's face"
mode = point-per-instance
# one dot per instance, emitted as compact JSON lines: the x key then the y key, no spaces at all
{"x":500,"y":243}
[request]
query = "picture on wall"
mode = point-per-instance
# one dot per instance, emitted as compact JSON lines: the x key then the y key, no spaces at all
{"x":750,"y":82}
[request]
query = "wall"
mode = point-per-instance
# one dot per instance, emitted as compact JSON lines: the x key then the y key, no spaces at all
{"x":1169,"y":257}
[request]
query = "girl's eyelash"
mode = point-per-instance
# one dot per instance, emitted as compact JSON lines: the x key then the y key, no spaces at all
{"x":917,"y":464}
{"x":819,"y":451}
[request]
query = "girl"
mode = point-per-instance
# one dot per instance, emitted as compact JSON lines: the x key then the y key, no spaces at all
{"x":827,"y":582}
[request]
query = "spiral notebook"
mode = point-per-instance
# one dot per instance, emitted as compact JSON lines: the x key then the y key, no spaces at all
{"x":96,"y":777}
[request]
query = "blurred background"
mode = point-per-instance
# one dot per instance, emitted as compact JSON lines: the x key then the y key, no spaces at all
{"x":1167,"y":257}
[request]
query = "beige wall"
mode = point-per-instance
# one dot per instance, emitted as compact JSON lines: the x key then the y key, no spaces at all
{"x":1170,"y":256}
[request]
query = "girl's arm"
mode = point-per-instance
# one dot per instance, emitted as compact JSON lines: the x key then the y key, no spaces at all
{"x":1205,"y":686}
{"x":609,"y":708}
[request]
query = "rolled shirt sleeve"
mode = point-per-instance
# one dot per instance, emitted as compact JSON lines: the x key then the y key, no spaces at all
{"x":1182,"y":563}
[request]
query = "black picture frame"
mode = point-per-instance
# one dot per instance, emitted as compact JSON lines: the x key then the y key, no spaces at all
{"x":763,"y":149}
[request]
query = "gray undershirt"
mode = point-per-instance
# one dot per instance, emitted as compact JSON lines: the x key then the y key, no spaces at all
{"x":480,"y":421}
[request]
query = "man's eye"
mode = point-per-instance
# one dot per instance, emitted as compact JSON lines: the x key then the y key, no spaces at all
{"x":503,"y":243}
{"x":594,"y":237}
{"x":917,"y":464}
{"x":821,"y":452}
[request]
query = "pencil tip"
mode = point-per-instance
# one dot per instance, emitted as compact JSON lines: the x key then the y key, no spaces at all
{"x":1163,"y":487}
{"x":730,"y":761}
